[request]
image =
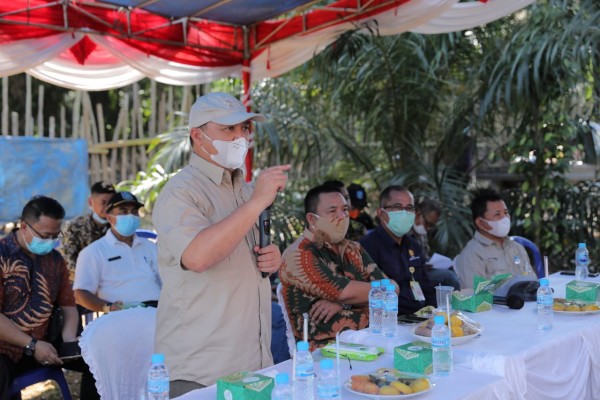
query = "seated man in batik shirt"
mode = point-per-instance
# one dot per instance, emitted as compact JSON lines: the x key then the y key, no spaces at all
{"x":325,"y":275}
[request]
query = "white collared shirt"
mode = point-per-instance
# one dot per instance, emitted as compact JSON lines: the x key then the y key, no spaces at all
{"x":114,"y":271}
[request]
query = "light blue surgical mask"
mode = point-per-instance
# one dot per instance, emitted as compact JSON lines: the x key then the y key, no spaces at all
{"x":99,"y":219}
{"x":40,"y":246}
{"x":127,"y":224}
{"x":400,"y":222}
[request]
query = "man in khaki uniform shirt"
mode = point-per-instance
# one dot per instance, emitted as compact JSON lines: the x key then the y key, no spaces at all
{"x":214,"y":313}
{"x":491,"y":251}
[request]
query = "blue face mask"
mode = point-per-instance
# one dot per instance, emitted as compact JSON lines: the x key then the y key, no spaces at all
{"x":41,"y":246}
{"x":98,"y":219}
{"x":127,"y":224}
{"x":400,"y":222}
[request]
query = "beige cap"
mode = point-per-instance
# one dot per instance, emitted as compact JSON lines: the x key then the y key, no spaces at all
{"x":221,"y":108}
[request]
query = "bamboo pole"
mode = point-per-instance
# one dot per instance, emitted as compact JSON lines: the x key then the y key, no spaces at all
{"x":14,"y":116}
{"x":52,"y":127}
{"x":133,"y":161}
{"x":28,"y":127}
{"x":121,"y":119}
{"x":40,"y":113}
{"x":153,"y":117}
{"x":170,"y":109}
{"x":76,"y":114}
{"x":102,"y":139}
{"x":162,"y":110}
{"x":5,"y":110}
{"x":63,"y":122}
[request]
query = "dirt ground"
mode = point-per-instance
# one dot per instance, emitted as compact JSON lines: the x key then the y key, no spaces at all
{"x":49,"y":390}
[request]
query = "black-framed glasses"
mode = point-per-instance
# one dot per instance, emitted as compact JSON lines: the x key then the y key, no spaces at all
{"x":59,"y":235}
{"x":399,"y":207}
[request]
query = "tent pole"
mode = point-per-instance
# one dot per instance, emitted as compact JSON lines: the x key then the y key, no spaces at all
{"x":247,"y":100}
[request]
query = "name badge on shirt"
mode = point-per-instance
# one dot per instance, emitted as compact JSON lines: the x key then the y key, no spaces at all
{"x":417,"y":291}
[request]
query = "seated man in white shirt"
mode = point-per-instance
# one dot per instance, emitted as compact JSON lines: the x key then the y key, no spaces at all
{"x":490,"y":251}
{"x":119,"y":269}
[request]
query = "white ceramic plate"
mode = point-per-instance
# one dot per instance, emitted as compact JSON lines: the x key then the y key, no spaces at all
{"x":577,"y":312}
{"x":455,"y":340}
{"x":348,"y":387}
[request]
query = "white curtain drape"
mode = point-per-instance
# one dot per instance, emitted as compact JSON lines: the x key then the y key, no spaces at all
{"x":115,"y":64}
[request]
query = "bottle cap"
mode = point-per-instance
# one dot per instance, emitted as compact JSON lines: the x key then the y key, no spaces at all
{"x":302,"y":346}
{"x":582,"y":245}
{"x":158,"y":358}
{"x":385,"y":282}
{"x":326,"y":363}
{"x":282,"y":378}
{"x":544,"y":282}
{"x":390,"y":288}
{"x":375,"y":284}
{"x":439,"y":320}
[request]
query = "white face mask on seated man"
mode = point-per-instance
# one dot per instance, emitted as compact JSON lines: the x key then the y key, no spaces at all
{"x":500,"y":228}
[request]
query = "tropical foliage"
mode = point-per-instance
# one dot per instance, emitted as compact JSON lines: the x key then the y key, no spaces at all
{"x":433,"y":112}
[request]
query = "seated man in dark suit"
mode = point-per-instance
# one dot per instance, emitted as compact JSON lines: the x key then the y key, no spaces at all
{"x":397,"y":253}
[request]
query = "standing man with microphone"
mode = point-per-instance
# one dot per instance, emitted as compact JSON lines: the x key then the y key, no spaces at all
{"x":214,"y":314}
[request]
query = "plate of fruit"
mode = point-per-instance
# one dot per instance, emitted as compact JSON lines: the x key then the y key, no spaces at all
{"x":462,"y":328}
{"x":388,"y":383}
{"x":577,"y":307}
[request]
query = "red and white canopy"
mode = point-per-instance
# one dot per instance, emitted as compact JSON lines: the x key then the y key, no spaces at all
{"x":92,"y":45}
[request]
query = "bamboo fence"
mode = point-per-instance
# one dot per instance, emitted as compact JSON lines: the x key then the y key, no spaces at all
{"x":113,"y":160}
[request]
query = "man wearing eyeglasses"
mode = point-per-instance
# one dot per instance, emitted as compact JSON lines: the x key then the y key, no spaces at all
{"x":33,"y":280}
{"x":398,"y":254}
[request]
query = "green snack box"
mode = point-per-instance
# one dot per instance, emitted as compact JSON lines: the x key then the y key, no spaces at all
{"x":583,"y":290}
{"x":482,"y":297}
{"x":352,"y":351}
{"x":244,"y":386}
{"x":473,"y":303}
{"x":414,"y":357}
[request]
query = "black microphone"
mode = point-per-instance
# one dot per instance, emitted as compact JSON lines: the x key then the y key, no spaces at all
{"x":264,"y":226}
{"x":511,"y":301}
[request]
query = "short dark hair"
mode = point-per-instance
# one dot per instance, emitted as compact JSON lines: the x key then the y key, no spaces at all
{"x":427,"y":206}
{"x":335,"y":183}
{"x":311,"y":200}
{"x":102,"y":187}
{"x":42,"y":205}
{"x":479,"y":202}
{"x":385,"y":194}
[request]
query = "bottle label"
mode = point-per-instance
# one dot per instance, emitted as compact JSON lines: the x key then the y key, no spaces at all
{"x":158,"y":385}
{"x":375,"y":303}
{"x":545,"y":300}
{"x":583,"y":258}
{"x":440,"y":341}
{"x":304,"y":370}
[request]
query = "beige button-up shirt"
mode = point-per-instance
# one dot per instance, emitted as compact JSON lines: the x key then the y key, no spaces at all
{"x":484,"y":257}
{"x":216,"y":322}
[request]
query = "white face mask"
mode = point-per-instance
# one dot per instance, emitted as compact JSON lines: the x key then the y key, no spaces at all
{"x":420,"y":230}
{"x":500,"y":228}
{"x":230,"y":155}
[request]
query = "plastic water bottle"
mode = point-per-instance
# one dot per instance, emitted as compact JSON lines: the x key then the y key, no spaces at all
{"x":441,"y":347}
{"x":158,"y":379}
{"x":384,"y":284}
{"x":328,"y":387}
{"x":389,"y":314}
{"x":304,"y":374}
{"x":375,"y":306}
{"x":282,"y":389}
{"x":582,"y":260}
{"x":544,"y":305}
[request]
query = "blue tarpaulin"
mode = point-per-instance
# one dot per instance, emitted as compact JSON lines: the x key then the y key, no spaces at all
{"x":29,"y":166}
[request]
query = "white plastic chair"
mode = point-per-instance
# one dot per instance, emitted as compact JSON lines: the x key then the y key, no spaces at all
{"x":289,"y":333}
{"x":118,"y":348}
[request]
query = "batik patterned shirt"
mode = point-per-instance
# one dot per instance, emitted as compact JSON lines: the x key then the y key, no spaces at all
{"x":80,"y":233}
{"x":29,"y":289}
{"x":313,"y":270}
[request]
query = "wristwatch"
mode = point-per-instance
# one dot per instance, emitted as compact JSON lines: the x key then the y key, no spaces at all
{"x":106,"y":307}
{"x":30,"y":348}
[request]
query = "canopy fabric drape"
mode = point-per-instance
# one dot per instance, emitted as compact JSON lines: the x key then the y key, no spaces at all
{"x":81,"y":46}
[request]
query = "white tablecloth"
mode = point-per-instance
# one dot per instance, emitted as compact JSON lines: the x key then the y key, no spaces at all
{"x":511,"y":359}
